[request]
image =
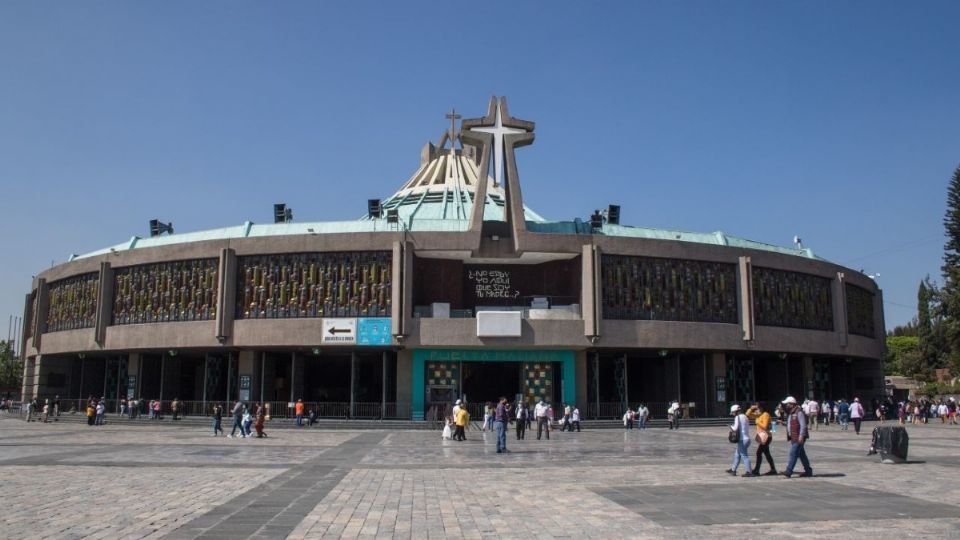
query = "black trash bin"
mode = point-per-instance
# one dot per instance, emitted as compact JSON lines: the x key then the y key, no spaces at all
{"x":892,"y":443}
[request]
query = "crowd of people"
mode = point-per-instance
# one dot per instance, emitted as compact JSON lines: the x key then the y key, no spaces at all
{"x":791,"y":415}
{"x":521,"y":413}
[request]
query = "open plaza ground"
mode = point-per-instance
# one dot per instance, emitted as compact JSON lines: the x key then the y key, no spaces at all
{"x":67,"y":480}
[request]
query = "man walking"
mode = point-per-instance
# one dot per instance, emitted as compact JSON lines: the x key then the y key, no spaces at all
{"x":844,"y":414}
{"x":642,"y":413}
{"x":238,"y":420}
{"x":575,"y":419}
{"x":797,"y":435}
{"x":523,"y":414}
{"x":501,"y":417}
{"x":543,"y":422}
{"x":813,"y":414}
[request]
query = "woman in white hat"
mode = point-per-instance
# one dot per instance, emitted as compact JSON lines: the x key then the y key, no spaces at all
{"x":741,"y":426}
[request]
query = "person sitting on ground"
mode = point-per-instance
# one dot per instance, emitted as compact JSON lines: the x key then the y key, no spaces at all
{"x":312,"y":418}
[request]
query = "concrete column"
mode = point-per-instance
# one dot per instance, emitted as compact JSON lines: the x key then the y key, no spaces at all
{"x":879,"y":322}
{"x":839,"y":299}
{"x":396,"y":291}
{"x":405,"y":381}
{"x":383,"y":384}
{"x":104,"y":316}
{"x":581,"y":367}
{"x":245,"y":368}
{"x":226,"y":294}
{"x":293,"y":374}
{"x":353,"y":381}
{"x":590,"y":291}
{"x":133,"y":370}
{"x":745,"y":297}
{"x":24,"y":324}
{"x":41,"y":310}
{"x":807,"y":376}
{"x":718,"y":368}
{"x":418,"y":387}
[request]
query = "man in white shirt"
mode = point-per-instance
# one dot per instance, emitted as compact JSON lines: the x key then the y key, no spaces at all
{"x":543,"y":422}
{"x":813,"y":414}
{"x":575,"y":419}
{"x":642,"y":413}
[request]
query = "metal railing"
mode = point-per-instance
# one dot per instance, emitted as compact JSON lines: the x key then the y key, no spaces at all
{"x":615,"y":410}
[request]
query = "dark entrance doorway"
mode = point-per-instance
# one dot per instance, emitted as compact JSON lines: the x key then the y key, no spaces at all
{"x":487,"y":381}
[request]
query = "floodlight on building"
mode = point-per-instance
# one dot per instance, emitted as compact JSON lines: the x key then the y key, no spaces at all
{"x":374,"y":208}
{"x":157,"y":227}
{"x":393,"y":216}
{"x":596,"y":220}
{"x":282,"y":214}
{"x":613,"y":214}
{"x":798,"y":242}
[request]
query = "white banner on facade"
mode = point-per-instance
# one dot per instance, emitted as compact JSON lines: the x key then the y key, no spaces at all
{"x":339,"y":332}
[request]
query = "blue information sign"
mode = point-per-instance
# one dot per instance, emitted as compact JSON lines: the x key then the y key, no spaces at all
{"x":373,"y":331}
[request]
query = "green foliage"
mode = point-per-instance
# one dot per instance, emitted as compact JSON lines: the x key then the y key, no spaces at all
{"x":11,"y":369}
{"x":909,"y":329}
{"x":903,"y":356}
{"x":934,"y":389}
{"x":950,"y":294}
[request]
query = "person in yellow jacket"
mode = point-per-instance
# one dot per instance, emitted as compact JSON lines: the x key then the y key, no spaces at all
{"x":763,"y":438}
{"x":462,"y":418}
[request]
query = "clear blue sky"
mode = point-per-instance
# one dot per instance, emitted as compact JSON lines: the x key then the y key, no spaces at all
{"x":837,"y":121}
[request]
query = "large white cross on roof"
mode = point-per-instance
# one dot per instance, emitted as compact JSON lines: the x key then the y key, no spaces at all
{"x":498,"y":131}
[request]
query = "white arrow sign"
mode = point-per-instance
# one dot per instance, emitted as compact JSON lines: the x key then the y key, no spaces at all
{"x":339,"y":332}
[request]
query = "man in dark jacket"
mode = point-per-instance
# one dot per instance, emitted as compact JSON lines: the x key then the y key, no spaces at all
{"x":797,"y":434}
{"x":238,"y":409}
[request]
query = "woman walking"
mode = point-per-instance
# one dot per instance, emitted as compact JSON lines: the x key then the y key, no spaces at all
{"x":258,"y":423}
{"x":763,"y":438}
{"x":741,"y":427}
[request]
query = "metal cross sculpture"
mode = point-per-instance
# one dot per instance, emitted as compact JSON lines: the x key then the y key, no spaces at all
{"x":498,"y":130}
{"x":453,"y":117}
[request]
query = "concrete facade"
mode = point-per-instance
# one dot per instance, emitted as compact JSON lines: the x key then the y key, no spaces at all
{"x":586,"y":334}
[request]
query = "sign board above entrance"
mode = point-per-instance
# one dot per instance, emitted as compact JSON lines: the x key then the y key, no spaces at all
{"x":339,"y":332}
{"x":373,"y":331}
{"x":499,"y":323}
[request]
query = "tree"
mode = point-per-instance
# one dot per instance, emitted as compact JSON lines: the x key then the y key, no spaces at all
{"x":950,"y":294}
{"x":903,"y":356}
{"x":929,"y":349}
{"x":11,"y":369}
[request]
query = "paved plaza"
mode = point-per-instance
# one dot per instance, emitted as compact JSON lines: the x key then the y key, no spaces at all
{"x":68,"y":480}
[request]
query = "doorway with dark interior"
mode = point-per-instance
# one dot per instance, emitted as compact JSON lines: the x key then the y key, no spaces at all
{"x":488,"y":381}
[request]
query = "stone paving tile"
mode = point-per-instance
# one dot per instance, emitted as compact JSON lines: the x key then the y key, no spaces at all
{"x":409,"y":484}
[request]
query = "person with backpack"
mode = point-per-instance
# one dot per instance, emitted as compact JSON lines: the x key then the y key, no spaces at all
{"x":741,"y":430}
{"x":844,"y":410}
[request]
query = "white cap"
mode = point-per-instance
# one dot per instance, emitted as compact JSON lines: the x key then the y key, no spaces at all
{"x":458,"y":402}
{"x":790,"y":399}
{"x":734,"y":409}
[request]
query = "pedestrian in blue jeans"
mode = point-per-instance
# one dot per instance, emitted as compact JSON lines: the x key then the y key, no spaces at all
{"x":238,"y":409}
{"x":741,"y":425}
{"x":500,"y":419}
{"x":217,"y":419}
{"x":797,"y":435}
